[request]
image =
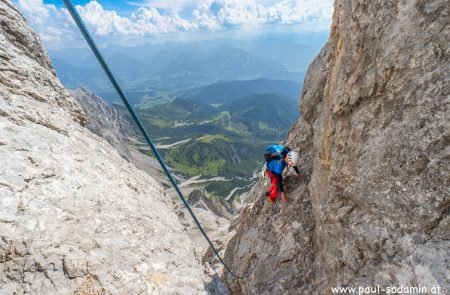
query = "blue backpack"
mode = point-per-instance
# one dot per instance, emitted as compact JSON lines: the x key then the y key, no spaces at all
{"x":275,"y":152}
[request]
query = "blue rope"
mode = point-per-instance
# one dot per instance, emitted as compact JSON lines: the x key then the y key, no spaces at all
{"x":76,"y":17}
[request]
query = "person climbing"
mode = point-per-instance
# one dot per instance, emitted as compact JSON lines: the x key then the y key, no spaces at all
{"x":277,"y":159}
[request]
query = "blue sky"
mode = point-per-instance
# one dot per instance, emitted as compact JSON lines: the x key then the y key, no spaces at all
{"x":120,"y":6}
{"x":139,"y":21}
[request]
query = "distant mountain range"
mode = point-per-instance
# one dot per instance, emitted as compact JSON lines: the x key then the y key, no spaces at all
{"x":275,"y":111}
{"x":183,"y":65}
{"x":263,"y":114}
{"x":223,"y":92}
{"x":213,"y":94}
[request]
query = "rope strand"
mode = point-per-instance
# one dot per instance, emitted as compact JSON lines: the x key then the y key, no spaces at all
{"x":76,"y":17}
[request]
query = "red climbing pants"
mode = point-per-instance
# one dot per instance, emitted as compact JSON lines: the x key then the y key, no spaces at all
{"x":273,"y":193}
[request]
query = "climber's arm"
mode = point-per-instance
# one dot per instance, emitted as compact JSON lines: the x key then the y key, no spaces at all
{"x":298,"y":172}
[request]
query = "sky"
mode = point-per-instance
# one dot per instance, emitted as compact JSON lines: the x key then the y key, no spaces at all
{"x":142,"y":21}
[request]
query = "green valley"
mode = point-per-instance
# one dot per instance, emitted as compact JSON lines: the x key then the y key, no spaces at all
{"x":223,"y":142}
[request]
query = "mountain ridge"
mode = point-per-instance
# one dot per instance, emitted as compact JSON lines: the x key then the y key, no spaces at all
{"x":222,"y":92}
{"x":221,"y":62}
{"x":75,"y":217}
{"x":105,"y":121}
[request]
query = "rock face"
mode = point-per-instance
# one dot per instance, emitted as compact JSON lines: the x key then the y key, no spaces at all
{"x":74,"y":216}
{"x":105,"y":121}
{"x":198,"y":198}
{"x":374,"y":140}
{"x":210,"y":213}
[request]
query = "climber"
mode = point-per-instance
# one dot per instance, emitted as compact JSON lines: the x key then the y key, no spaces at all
{"x":277,"y":158}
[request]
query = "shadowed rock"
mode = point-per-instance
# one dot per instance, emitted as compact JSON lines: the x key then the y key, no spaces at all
{"x":374,"y":142}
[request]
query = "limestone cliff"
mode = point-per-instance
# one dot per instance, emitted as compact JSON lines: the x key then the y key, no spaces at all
{"x":374,"y":142}
{"x":74,"y":215}
{"x":105,"y":121}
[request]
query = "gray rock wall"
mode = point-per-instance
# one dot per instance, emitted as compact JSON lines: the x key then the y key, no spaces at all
{"x":105,"y":121}
{"x":374,"y":139}
{"x":74,"y":216}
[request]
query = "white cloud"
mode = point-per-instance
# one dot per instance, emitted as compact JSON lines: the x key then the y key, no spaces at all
{"x":36,"y":11}
{"x":143,"y":22}
{"x":253,"y":12}
{"x":156,"y":17}
{"x":104,"y":22}
{"x":48,"y":21}
{"x":165,"y":4}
